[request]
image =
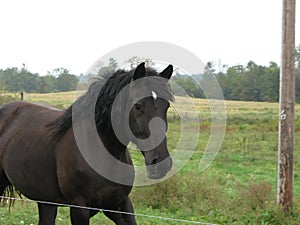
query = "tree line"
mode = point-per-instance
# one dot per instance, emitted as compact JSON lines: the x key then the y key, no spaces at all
{"x":251,"y":82}
{"x":15,"y":80}
{"x":245,"y":83}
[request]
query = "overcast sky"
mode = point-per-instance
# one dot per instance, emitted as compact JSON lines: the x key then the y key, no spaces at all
{"x":74,"y":34}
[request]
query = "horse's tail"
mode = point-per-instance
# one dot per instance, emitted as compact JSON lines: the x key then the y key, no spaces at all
{"x":10,"y":195}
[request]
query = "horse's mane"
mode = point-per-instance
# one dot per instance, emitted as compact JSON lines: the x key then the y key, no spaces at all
{"x":109,"y":85}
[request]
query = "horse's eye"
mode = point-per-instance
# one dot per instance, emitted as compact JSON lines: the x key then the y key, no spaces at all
{"x":138,"y":106}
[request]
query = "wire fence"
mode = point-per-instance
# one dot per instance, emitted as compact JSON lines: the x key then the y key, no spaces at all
{"x":181,"y":221}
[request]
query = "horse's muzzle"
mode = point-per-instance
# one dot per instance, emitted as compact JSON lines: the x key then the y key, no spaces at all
{"x":159,"y":169}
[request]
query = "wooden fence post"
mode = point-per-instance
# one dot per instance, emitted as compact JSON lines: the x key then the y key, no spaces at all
{"x":287,"y":99}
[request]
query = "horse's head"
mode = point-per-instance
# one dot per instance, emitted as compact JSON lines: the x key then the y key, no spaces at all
{"x":150,"y":96}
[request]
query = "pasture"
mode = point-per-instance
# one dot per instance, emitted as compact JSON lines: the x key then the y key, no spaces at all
{"x":238,"y":188}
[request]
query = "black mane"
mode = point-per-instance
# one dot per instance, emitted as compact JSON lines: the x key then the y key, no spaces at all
{"x":110,"y":86}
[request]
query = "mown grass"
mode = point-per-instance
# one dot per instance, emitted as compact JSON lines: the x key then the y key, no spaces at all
{"x":238,"y":188}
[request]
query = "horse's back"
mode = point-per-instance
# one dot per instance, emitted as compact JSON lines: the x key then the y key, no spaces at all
{"x":17,"y":117}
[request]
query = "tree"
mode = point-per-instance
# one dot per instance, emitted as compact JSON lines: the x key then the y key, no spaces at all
{"x":14,"y":80}
{"x":58,"y":71}
{"x":251,"y":82}
{"x":66,"y":81}
{"x":269,"y":85}
{"x":46,"y":84}
{"x":135,"y":61}
{"x":231,"y":82}
{"x":109,"y":69}
{"x":189,"y":85}
{"x":209,"y":68}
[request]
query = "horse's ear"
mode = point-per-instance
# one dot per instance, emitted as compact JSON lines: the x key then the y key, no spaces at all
{"x":140,"y":71}
{"x":167,"y":73}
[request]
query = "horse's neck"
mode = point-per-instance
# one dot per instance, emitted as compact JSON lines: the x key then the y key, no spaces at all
{"x":113,"y":145}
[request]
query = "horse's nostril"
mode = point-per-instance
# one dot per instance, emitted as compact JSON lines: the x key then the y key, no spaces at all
{"x":154,"y":161}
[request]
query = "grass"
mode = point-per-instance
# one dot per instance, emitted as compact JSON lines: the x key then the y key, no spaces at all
{"x":8,"y":97}
{"x":238,"y":188}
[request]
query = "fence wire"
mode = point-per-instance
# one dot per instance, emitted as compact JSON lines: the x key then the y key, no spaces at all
{"x":111,"y":211}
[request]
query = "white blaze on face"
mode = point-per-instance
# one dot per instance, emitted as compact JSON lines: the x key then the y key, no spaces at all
{"x":154,"y":95}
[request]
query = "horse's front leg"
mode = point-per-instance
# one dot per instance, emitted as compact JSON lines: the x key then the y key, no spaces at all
{"x":123,"y":219}
{"x":80,"y":216}
{"x":47,"y":214}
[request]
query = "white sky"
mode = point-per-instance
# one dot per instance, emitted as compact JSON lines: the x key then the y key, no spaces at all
{"x":74,"y":34}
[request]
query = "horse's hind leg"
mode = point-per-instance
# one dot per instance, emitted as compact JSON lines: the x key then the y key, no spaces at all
{"x":47,"y":214}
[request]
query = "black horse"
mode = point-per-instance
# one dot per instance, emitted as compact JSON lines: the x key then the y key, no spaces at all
{"x":40,"y":157}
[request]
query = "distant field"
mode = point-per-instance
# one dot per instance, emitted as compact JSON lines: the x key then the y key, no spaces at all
{"x":238,"y":188}
{"x":59,"y":100}
{"x":64,"y":99}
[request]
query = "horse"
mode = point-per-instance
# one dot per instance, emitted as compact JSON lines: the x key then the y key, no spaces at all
{"x":42,"y":160}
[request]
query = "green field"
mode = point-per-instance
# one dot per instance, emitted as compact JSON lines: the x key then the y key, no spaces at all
{"x":238,"y":188}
